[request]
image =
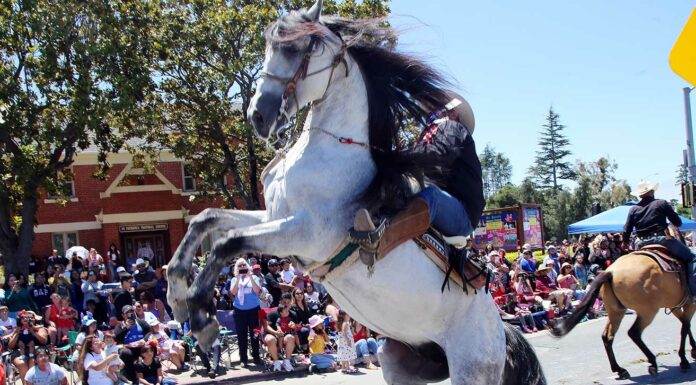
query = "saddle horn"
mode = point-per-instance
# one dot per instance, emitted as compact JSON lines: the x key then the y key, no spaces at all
{"x":315,"y":11}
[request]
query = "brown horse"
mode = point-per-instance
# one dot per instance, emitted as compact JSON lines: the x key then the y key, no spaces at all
{"x":635,"y":281}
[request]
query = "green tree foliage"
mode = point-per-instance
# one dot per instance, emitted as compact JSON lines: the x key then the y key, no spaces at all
{"x":496,"y":169}
{"x":551,"y":164}
{"x":682,"y":175}
{"x":558,"y":214}
{"x":211,"y":54}
{"x":73,"y":75}
{"x":603,"y":187}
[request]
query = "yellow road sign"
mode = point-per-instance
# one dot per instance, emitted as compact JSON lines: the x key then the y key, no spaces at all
{"x":682,"y":59}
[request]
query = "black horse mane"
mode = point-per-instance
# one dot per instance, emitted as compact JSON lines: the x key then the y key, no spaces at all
{"x":402,"y":91}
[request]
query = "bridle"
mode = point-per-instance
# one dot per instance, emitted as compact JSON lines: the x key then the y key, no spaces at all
{"x":301,"y":74}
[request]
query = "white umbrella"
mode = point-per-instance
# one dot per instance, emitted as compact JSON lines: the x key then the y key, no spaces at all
{"x":81,"y":252}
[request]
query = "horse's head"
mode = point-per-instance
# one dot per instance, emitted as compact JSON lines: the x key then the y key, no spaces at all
{"x":301,"y":54}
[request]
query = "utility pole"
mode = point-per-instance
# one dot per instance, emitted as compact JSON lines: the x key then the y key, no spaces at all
{"x":690,"y":142}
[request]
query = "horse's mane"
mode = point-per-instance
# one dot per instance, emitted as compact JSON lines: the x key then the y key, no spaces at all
{"x":401,"y":89}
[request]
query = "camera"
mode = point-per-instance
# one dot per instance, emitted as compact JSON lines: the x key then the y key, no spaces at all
{"x":131,"y":316}
{"x":243,"y":271}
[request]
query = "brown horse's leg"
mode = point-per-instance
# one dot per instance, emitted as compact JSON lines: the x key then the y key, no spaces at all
{"x":683,"y":333}
{"x":635,"y":332}
{"x":608,"y":335}
{"x":615,"y":313}
{"x":689,"y":311}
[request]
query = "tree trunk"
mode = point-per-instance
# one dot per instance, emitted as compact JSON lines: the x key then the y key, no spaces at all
{"x":253,"y":172}
{"x":18,"y":262}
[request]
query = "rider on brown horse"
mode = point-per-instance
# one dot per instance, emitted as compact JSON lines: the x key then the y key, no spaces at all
{"x":649,"y":218}
{"x":454,"y":212}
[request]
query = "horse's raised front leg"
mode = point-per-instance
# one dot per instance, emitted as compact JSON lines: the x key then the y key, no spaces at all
{"x":286,"y":236}
{"x":201,"y":225}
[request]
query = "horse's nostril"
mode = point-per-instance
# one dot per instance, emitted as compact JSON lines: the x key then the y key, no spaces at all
{"x":257,"y":119}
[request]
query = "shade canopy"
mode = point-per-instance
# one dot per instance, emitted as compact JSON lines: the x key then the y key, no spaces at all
{"x":613,"y":220}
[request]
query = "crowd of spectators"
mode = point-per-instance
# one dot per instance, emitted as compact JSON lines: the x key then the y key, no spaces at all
{"x":537,"y":286}
{"x":119,"y":327}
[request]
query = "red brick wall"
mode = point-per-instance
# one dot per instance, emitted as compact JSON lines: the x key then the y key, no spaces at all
{"x":177,"y":229}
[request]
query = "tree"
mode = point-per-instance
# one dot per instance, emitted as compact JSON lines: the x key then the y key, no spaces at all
{"x":210,"y":57}
{"x":73,"y":74}
{"x":602,"y":185}
{"x":507,"y":196}
{"x":496,"y":170}
{"x":550,"y":162}
{"x":682,"y":176}
{"x":558,"y":214}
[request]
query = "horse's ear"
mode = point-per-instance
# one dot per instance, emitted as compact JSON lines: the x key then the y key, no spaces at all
{"x":315,"y":11}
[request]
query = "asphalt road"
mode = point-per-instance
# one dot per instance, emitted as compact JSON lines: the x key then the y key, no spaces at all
{"x":577,"y":359}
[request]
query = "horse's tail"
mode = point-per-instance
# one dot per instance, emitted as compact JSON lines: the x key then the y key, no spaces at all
{"x":521,"y":364}
{"x":564,"y":327}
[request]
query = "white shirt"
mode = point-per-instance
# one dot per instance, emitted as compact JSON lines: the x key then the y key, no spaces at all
{"x":145,"y":252}
{"x":10,"y":325}
{"x":97,"y":377}
{"x":53,"y":376}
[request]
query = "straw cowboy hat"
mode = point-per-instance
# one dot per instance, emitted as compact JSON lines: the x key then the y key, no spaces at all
{"x":645,"y":186}
{"x":464,"y":112}
{"x":542,"y":270}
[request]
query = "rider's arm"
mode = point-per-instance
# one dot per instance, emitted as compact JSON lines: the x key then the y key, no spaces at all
{"x":671,"y":214}
{"x":628,"y":227}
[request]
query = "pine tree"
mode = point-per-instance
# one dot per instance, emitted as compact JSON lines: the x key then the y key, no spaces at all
{"x":496,"y":170}
{"x":551,"y":164}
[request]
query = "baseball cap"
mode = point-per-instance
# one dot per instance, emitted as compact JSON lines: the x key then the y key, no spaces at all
{"x":121,"y":269}
{"x":126,"y":309}
{"x":273,"y":262}
{"x":88,"y":320}
{"x":139,"y":262}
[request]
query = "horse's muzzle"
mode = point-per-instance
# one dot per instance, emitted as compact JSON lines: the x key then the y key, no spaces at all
{"x":264,"y":114}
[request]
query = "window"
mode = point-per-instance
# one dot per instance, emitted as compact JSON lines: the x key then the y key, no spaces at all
{"x":189,"y":178}
{"x":67,"y":190}
{"x":64,"y":241}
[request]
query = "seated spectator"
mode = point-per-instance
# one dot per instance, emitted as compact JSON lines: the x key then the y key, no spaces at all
{"x":142,"y":314}
{"x":27,"y":329}
{"x":93,"y":363}
{"x":60,"y":318}
{"x":600,"y":256}
{"x":88,"y":328}
{"x":331,"y":309}
{"x":45,"y":372}
{"x":548,"y":288}
{"x":523,"y":316}
{"x":123,"y":295}
{"x":317,"y":345}
{"x":144,"y":276}
{"x":167,"y":348}
{"x":567,"y":282}
{"x":93,"y":290}
{"x":76,"y":263}
{"x":7,"y":325}
{"x":40,"y":337}
{"x":280,"y":335}
{"x":365,"y":345}
{"x":131,"y":333}
{"x":154,"y":306}
{"x":148,"y":368}
{"x":18,"y":298}
{"x":40,"y":291}
{"x":302,"y":313}
{"x":59,"y":282}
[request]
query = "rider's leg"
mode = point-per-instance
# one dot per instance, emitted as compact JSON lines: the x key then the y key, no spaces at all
{"x":679,"y":250}
{"x":447,"y":213}
{"x":431,"y":205}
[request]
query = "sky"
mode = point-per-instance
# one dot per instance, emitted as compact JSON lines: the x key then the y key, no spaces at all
{"x":603,"y":66}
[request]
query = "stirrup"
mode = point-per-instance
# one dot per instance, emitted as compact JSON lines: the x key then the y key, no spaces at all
{"x":368,"y":238}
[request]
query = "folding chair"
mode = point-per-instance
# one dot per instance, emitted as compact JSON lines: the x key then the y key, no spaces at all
{"x":228,"y":334}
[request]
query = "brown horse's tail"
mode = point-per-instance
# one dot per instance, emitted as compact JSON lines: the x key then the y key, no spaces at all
{"x":564,"y":327}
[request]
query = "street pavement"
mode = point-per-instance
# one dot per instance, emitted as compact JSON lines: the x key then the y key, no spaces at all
{"x":577,"y":359}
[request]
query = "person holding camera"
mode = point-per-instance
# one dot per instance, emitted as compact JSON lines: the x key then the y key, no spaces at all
{"x":38,"y":335}
{"x":131,"y":334}
{"x":246,"y":288}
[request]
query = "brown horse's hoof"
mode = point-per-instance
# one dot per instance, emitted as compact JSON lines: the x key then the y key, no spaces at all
{"x":652,"y":370}
{"x":623,"y":375}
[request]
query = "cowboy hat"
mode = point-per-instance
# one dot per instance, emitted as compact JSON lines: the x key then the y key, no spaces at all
{"x":315,"y":321}
{"x":566,"y":264}
{"x":542,"y":270}
{"x":465,"y":115}
{"x":645,"y":186}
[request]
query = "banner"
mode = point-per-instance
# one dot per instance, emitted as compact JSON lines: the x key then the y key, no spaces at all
{"x":531,"y":222}
{"x":498,"y":229}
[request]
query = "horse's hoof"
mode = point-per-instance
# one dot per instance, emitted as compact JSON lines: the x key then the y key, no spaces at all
{"x":623,"y":375}
{"x":652,"y":370}
{"x":685,"y":366}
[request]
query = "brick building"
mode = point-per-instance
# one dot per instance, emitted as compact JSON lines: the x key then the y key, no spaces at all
{"x":132,"y":208}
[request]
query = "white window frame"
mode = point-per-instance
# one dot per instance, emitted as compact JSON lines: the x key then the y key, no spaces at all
{"x":65,"y":239}
{"x":183,"y":179}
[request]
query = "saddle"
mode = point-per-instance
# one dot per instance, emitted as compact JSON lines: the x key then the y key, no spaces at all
{"x":661,"y":255}
{"x":450,"y":257}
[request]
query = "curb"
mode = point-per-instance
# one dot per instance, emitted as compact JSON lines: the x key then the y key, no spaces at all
{"x":298,"y":371}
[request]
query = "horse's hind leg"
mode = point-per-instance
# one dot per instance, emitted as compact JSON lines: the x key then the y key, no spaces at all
{"x":180,"y":265}
{"x":689,"y":311}
{"x":615,"y":313}
{"x":636,"y":331}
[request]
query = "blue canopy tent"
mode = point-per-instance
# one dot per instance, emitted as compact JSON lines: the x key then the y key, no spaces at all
{"x":613,"y":220}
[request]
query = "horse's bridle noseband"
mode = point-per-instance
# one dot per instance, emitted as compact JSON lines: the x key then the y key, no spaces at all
{"x":301,"y":74}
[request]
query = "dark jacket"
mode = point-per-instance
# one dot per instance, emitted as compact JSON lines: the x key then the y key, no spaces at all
{"x":650,"y":216}
{"x":454,"y":144}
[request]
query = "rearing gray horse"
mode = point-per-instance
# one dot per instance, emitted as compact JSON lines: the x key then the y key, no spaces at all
{"x":362,"y":94}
